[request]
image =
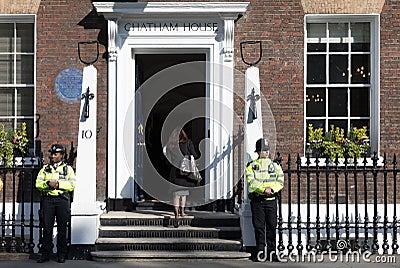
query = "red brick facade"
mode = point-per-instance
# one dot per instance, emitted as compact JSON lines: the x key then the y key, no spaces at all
{"x":59,"y":29}
{"x":279,"y":24}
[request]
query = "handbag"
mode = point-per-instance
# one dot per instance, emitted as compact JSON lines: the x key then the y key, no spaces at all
{"x":185,"y":167}
{"x":189,"y":168}
{"x":194,"y":174}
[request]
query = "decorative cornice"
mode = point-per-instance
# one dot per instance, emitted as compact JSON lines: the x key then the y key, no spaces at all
{"x":19,"y":6}
{"x":227,"y":11}
{"x":125,"y":8}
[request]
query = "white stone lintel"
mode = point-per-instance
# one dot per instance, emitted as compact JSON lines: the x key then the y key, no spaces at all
{"x":126,"y":8}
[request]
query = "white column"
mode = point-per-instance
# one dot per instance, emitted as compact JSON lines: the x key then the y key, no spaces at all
{"x":253,"y":132}
{"x":112,"y":108}
{"x":83,"y":208}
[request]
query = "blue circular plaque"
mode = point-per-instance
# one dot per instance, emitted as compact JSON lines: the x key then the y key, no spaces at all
{"x":68,"y":85}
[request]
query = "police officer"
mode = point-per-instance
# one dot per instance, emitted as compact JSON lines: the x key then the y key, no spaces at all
{"x":55,"y":181}
{"x":265,"y":180}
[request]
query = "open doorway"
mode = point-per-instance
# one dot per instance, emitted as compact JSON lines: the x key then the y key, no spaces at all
{"x":148,"y":65}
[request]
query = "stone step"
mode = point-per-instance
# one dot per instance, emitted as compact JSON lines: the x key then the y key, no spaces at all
{"x":167,"y":255}
{"x":170,"y":244}
{"x":150,"y":234}
{"x":152,"y":205}
{"x":166,"y":232}
{"x":165,"y":218}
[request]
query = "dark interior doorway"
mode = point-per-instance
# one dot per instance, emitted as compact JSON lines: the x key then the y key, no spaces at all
{"x":148,"y":65}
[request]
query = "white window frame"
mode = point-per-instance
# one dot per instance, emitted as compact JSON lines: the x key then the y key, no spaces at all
{"x":374,"y":20}
{"x":23,"y":18}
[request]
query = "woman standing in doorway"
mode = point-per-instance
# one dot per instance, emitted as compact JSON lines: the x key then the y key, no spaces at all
{"x":177,"y":147}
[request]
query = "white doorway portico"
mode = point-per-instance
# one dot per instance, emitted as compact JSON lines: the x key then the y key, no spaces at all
{"x":171,"y":28}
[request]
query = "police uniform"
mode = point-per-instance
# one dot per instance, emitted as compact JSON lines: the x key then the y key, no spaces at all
{"x":55,"y":203}
{"x":261,"y":174}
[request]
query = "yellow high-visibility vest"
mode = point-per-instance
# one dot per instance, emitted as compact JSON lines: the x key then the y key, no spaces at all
{"x":262,"y":173}
{"x":63,"y":174}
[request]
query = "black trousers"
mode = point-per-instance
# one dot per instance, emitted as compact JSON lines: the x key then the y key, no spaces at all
{"x":264,"y":217}
{"x":55,"y":208}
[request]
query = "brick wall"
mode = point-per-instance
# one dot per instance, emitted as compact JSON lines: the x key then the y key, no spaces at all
{"x":280,"y":29}
{"x":390,"y":78}
{"x":277,"y":23}
{"x":61,"y":24}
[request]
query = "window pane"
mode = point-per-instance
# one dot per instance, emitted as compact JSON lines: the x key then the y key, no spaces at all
{"x":24,"y":37}
{"x":316,"y":47}
{"x":359,"y":123}
{"x":24,"y":69}
{"x":6,"y":37}
{"x":315,"y":100}
{"x":337,"y":102}
{"x":316,"y":69}
{"x":316,"y":37}
{"x":6,"y":69}
{"x":338,"y":47}
{"x":359,"y":102}
{"x":316,"y":33}
{"x":360,"y":33}
{"x":338,"y":69}
{"x":338,"y":123}
{"x":25,"y":101}
{"x":8,"y":124}
{"x":316,"y":123}
{"x":338,"y":37}
{"x":7,"y":102}
{"x":360,"y":69}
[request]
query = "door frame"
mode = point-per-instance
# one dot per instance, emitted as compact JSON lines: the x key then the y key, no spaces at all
{"x":175,"y":51}
{"x":122,"y":39}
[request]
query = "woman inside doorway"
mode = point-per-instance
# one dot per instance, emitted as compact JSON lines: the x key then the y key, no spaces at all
{"x":178,"y":146}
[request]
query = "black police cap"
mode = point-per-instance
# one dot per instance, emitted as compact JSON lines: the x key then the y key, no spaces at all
{"x":262,"y":145}
{"x":57,"y":148}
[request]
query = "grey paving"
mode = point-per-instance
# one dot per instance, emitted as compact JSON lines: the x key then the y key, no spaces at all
{"x":372,"y":262}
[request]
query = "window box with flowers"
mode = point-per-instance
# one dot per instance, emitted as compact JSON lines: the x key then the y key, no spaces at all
{"x":12,"y":144}
{"x":334,"y":144}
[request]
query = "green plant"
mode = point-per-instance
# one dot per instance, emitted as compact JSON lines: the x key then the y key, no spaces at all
{"x":358,"y":142}
{"x":6,"y":146}
{"x":12,"y":142}
{"x":335,"y":143}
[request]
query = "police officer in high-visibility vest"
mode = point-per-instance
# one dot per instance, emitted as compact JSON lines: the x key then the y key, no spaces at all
{"x":55,"y":181}
{"x":265,"y":179}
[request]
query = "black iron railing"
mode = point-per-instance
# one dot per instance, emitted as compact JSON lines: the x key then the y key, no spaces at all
{"x":322,"y":203}
{"x":19,"y":220}
{"x":21,"y":230}
{"x":350,"y":201}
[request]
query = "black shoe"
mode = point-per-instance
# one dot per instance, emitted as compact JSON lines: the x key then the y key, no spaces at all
{"x":43,"y":259}
{"x":61,"y":259}
{"x":176,"y":223}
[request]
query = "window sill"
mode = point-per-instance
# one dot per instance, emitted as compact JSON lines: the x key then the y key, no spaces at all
{"x":24,"y":161}
{"x":341,"y":162}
